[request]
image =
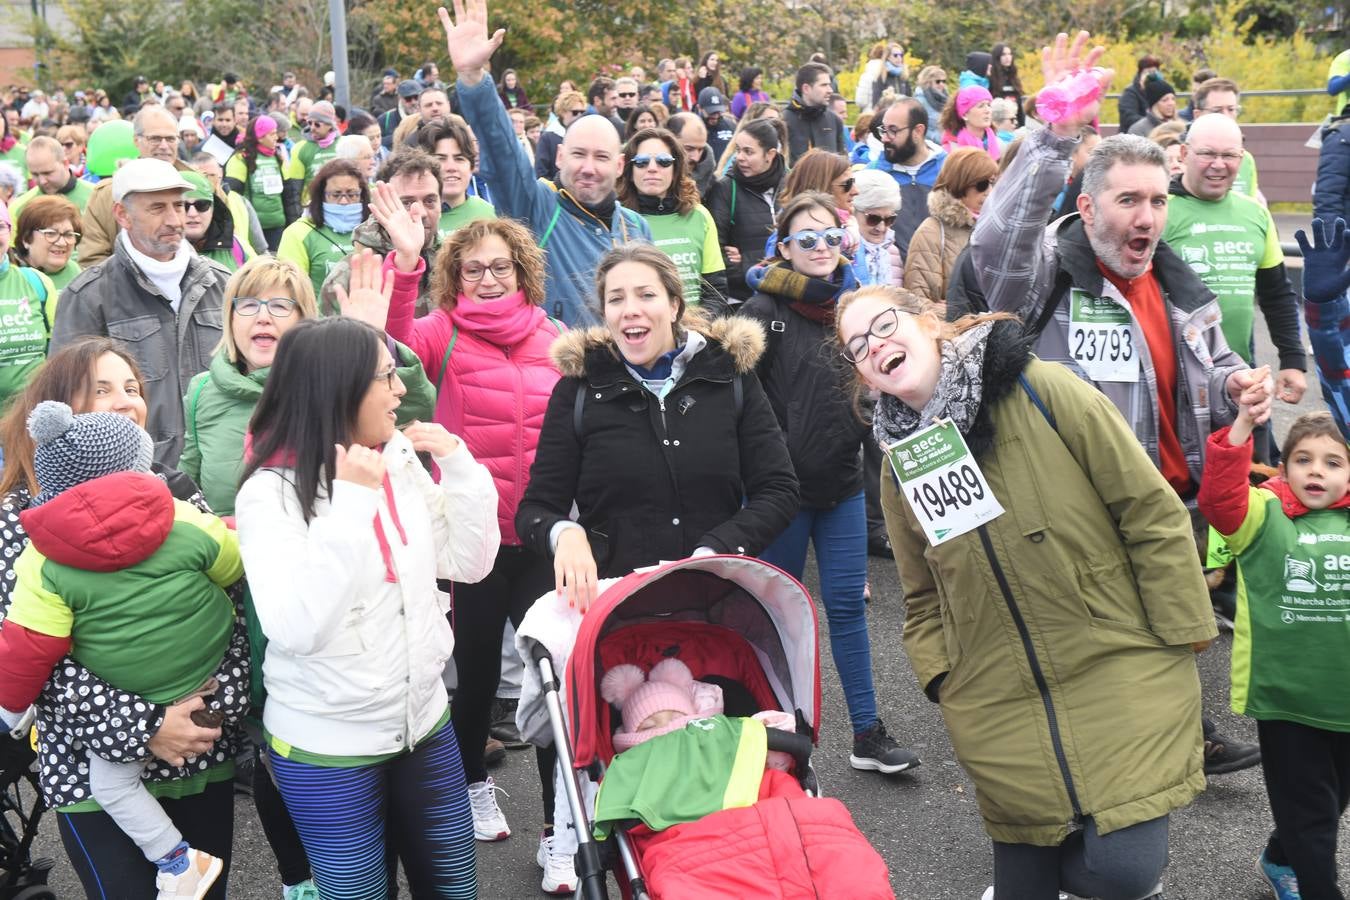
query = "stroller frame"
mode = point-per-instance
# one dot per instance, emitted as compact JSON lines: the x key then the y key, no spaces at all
{"x":21,"y":876}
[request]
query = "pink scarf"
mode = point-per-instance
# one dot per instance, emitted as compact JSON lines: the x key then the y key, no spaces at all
{"x":506,"y":321}
{"x":967,"y":138}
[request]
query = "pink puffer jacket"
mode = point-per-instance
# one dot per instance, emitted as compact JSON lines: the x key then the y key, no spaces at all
{"x":491,"y":397}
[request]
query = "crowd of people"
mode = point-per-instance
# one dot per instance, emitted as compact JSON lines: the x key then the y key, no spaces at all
{"x":307,"y":406}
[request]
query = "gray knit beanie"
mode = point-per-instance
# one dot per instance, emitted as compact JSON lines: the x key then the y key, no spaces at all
{"x":74,"y":449}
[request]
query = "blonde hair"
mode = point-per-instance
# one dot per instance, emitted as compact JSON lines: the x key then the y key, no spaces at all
{"x":255,"y":277}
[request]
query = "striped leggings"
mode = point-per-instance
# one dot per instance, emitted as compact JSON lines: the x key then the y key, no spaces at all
{"x":420,"y":797}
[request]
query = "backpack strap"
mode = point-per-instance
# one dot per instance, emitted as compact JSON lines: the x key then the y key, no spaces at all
{"x":1037,"y":401}
{"x":40,"y":289}
{"x":543,"y":241}
{"x":578,"y":404}
{"x":1063,"y":281}
{"x":557,"y":324}
{"x":449,"y":348}
{"x":731,"y":217}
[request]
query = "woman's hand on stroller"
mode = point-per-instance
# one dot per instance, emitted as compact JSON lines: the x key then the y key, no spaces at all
{"x":574,"y":568}
{"x":179,"y":739}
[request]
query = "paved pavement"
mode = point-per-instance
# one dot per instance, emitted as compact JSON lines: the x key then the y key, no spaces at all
{"x":925,"y":824}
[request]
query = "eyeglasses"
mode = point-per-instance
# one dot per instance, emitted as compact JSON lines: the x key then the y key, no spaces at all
{"x":389,"y":376}
{"x":69,"y":145}
{"x":808,"y":239}
{"x":153,"y":139}
{"x":277,"y":307}
{"x":200,"y":206}
{"x":664,"y":160}
{"x":883,"y":325}
{"x":873,"y":220}
{"x":59,"y":237}
{"x":1229,"y":157}
{"x":890,"y":131}
{"x":501,"y":269}
{"x":845,"y":186}
{"x":939,"y":81}
{"x":1226,"y":110}
{"x":985,"y":184}
{"x":342,"y":196}
{"x":575,"y":112}
{"x":623,"y":95}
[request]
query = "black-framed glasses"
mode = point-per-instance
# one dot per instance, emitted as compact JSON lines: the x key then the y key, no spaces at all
{"x":875,"y":219}
{"x":342,"y":196}
{"x":501,"y":268}
{"x":984,"y":184}
{"x":883,"y":132}
{"x":846,"y":185}
{"x":200,"y":206}
{"x":56,"y":237}
{"x":153,"y":139}
{"x":883,"y":325}
{"x":809,"y":238}
{"x":277,"y":307}
{"x":664,"y":160}
{"x":389,"y":376}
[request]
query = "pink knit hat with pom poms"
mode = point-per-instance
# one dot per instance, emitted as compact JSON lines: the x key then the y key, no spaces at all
{"x":670,"y":687}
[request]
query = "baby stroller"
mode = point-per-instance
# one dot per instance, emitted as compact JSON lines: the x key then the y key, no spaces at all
{"x":21,"y":876}
{"x":734,"y":621}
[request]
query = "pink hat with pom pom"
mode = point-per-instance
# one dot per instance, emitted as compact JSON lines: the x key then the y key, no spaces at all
{"x":670,"y":687}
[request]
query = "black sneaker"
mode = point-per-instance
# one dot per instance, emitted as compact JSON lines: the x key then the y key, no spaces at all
{"x":503,"y":726}
{"x":1223,"y":754}
{"x":243,"y":776}
{"x":876,"y":751}
{"x":879,"y":544}
{"x":494,"y":753}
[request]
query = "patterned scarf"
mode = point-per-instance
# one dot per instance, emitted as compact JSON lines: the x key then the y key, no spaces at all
{"x":957,"y":396}
{"x":811,"y":298}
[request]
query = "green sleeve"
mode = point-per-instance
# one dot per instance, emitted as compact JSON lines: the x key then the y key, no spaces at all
{"x":190,"y":462}
{"x":235,"y":168}
{"x":292,"y":246}
{"x":712,"y":251}
{"x":228,"y":566}
{"x":1271,"y":255}
{"x":35,"y":607}
{"x":1240,"y":540}
{"x":295,"y":166}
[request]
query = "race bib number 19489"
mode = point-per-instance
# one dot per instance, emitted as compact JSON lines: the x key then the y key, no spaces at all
{"x":942,"y":483}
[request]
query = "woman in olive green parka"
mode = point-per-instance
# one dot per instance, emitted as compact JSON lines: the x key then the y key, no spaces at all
{"x":1058,"y":637}
{"x":219,"y":402}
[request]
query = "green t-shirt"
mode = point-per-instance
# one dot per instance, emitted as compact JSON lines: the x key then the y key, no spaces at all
{"x":1340,"y":66}
{"x":17,"y":157}
{"x":326,"y":761}
{"x":263,"y":188}
{"x":1245,"y":182}
{"x":1225,"y":242}
{"x":691,"y":241}
{"x":65,"y":276}
{"x":472,"y":209}
{"x":26,"y":319}
{"x":78,"y":194}
{"x":307,"y":159}
{"x":1291,"y":639}
{"x":315,"y":250}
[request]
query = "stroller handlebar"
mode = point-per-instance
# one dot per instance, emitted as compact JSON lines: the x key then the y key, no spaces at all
{"x":798,"y":746}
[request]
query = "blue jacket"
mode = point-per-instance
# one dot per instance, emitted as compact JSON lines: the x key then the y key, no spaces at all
{"x":575,"y":240}
{"x":1329,"y":330}
{"x":914,"y":188}
{"x":1331,"y":191}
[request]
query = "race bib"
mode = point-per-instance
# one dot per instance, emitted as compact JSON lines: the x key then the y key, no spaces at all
{"x":942,"y":483}
{"x":271,"y":183}
{"x":1100,"y":339}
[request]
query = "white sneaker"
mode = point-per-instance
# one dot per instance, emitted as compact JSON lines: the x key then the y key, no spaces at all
{"x":988,"y":893}
{"x":488,"y":822}
{"x":560,"y":875}
{"x":202,"y":871}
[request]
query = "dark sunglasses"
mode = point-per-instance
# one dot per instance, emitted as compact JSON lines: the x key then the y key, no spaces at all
{"x":627,"y":94}
{"x":939,"y":81}
{"x":664,"y":160}
{"x":200,"y":206}
{"x":873,"y":220}
{"x":808,"y":239}
{"x":985,"y":184}
{"x":846,"y":185}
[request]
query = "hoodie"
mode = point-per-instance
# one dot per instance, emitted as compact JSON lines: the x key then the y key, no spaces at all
{"x":129,"y":581}
{"x":813,"y":126}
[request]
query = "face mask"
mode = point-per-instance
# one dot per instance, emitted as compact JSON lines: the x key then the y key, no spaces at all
{"x":342,"y":217}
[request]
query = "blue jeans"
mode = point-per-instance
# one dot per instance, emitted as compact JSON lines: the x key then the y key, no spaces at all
{"x":840,"y":536}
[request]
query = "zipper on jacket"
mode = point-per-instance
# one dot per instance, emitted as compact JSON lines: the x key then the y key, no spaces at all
{"x":665,"y":436}
{"x":1039,"y":676}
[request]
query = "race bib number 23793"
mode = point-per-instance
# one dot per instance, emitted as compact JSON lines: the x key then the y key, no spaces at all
{"x":1101,"y":339}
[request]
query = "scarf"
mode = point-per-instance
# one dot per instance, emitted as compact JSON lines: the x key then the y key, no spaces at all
{"x":877,"y":258}
{"x":505,"y":321}
{"x":810,"y":298}
{"x":657,"y":206}
{"x":7,"y":144}
{"x":987,"y":142}
{"x":167,"y":276}
{"x":937,"y":97}
{"x":602,"y":211}
{"x":957,"y":395}
{"x":328,"y":141}
{"x":267,"y":151}
{"x":765,"y":181}
{"x":893,"y":69}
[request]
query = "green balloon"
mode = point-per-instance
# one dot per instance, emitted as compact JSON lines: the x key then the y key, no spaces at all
{"x":110,"y":143}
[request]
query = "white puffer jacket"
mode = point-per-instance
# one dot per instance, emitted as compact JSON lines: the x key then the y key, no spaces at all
{"x":354,"y":661}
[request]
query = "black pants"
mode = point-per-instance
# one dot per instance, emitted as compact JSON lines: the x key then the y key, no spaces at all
{"x":1123,"y":865}
{"x":273,"y":237}
{"x":277,"y":825}
{"x":518,"y":578}
{"x":1308,"y":782}
{"x":111,"y":867}
{"x":872,"y":463}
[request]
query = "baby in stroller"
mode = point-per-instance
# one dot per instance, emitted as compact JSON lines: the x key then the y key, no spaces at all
{"x":703,"y":792}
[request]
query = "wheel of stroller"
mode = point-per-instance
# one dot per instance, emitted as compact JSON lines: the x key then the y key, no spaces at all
{"x":36,"y":892}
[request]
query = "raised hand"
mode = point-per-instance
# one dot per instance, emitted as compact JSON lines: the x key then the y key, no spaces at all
{"x":359,"y":465}
{"x":368,"y":297}
{"x":1064,"y":60}
{"x":405,"y":233}
{"x":1325,"y":276}
{"x":431,"y":437}
{"x":466,"y":39}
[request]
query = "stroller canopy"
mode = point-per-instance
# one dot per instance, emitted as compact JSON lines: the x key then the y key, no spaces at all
{"x":710,"y":603}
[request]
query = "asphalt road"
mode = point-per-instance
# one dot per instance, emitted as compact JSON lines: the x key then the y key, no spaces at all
{"x":925,"y":824}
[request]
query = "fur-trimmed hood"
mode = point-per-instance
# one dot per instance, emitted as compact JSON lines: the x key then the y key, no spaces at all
{"x":1006,"y":355}
{"x":949,"y":210}
{"x":741,"y":338}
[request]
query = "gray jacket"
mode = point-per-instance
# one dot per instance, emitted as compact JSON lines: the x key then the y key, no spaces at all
{"x":1021,"y":264}
{"x":116,"y":300}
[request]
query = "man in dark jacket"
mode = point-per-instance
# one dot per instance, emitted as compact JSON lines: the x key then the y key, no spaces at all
{"x":911,"y":160}
{"x":409,"y":93}
{"x":385,"y":97}
{"x":1133,"y":104}
{"x":809,"y":120}
{"x":155,"y":294}
{"x":713,"y":107}
{"x":1331,"y":191}
{"x":692,"y":134}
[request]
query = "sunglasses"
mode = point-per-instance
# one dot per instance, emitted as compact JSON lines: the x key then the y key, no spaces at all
{"x":627,"y":94}
{"x":807,"y":240}
{"x":845,"y":186}
{"x":664,"y":160}
{"x":200,"y":206}
{"x":985,"y":184}
{"x":939,"y":81}
{"x":873,"y":220}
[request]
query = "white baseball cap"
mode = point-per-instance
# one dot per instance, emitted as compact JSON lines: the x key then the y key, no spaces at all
{"x":139,"y":176}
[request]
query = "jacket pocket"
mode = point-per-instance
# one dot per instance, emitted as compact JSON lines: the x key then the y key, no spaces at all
{"x":141,"y":335}
{"x":207,"y":327}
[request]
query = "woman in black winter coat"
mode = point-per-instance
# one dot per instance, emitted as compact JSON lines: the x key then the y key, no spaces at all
{"x":743,"y":203}
{"x":1004,"y":81}
{"x":659,"y":432}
